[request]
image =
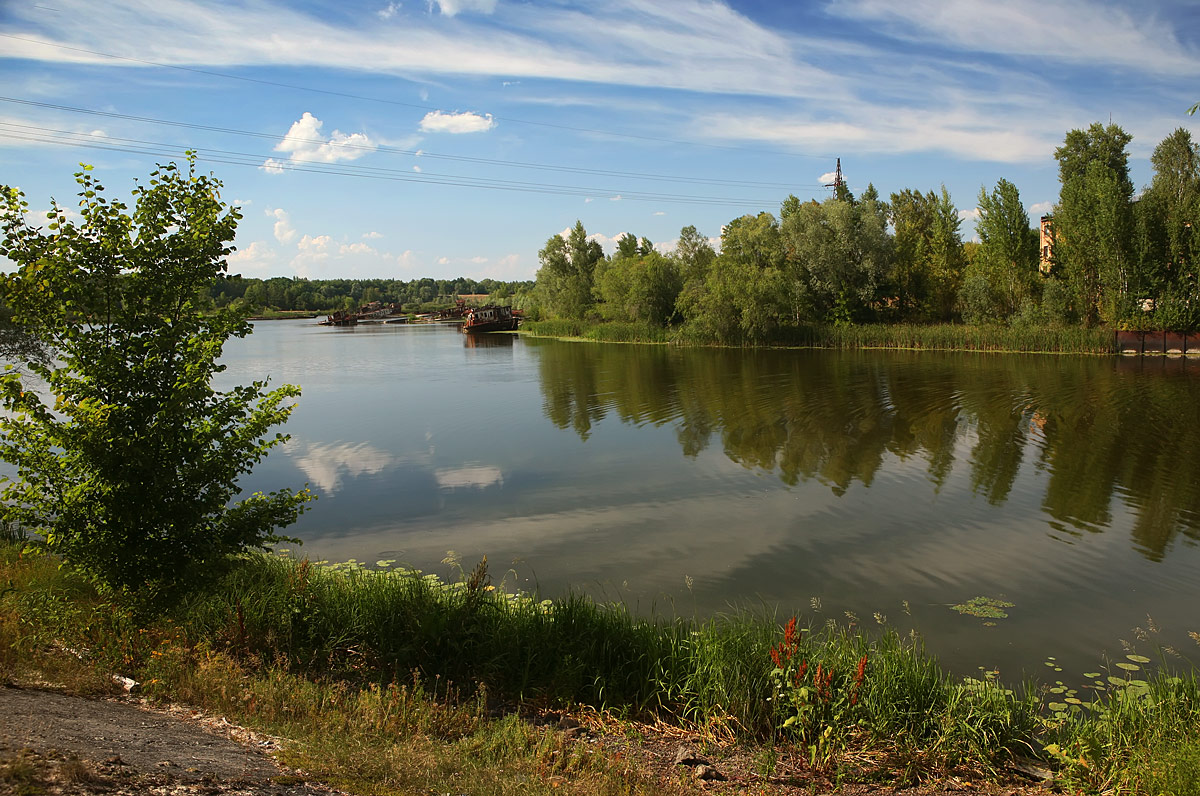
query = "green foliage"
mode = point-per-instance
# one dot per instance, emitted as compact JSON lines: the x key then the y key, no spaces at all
{"x":1007,"y":257}
{"x":1093,"y":222}
{"x":743,"y":298}
{"x":929,"y":256}
{"x":567,"y":273}
{"x":127,"y":468}
{"x":641,"y":288}
{"x":838,"y":255}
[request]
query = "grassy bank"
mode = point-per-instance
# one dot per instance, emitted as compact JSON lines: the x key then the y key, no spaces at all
{"x":417,"y":680}
{"x":937,"y":337}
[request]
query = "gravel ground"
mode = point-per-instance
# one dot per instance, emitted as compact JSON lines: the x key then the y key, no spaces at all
{"x":52,"y":743}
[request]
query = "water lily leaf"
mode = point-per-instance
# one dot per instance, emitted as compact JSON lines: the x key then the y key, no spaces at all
{"x":1138,"y":658}
{"x":1092,"y":675}
{"x":983,"y":607}
{"x":1058,"y":707}
{"x":1129,"y":667}
{"x":1073,"y":701}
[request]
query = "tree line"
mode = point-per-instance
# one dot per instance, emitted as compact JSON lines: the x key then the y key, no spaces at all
{"x":327,"y":295}
{"x":1113,"y":257}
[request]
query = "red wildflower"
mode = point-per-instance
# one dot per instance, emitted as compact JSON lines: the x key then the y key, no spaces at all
{"x":858,"y":679}
{"x":790,"y":637}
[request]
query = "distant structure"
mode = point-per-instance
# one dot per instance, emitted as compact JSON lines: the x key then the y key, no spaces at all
{"x":838,"y":185}
{"x":1047,"y":230}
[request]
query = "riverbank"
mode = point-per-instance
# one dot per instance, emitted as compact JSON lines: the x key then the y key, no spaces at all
{"x":934,"y":337}
{"x":397,"y":681}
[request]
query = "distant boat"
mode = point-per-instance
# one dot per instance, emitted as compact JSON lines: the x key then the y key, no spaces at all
{"x":490,"y":319}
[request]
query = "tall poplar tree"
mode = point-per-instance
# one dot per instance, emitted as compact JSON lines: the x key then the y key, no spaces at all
{"x":1093,"y":221}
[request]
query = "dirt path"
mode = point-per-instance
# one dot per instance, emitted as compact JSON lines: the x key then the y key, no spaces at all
{"x":52,"y":743}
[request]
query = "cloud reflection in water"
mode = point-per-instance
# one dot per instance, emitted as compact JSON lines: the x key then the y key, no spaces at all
{"x":475,"y":476}
{"x":327,"y":464}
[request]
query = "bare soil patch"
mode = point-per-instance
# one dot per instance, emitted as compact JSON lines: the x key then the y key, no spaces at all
{"x":53,"y":743}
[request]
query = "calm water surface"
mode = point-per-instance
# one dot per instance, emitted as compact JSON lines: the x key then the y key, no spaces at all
{"x":693,"y":481}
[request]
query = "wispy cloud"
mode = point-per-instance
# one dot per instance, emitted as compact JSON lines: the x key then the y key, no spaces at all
{"x":453,"y":7}
{"x":1066,"y":31}
{"x":968,"y":78}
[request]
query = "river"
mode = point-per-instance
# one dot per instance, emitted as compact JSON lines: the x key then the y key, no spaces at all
{"x":869,"y":486}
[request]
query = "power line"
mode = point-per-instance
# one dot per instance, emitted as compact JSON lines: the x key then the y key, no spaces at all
{"x":37,"y":134}
{"x":410,"y":152}
{"x":367,"y":98}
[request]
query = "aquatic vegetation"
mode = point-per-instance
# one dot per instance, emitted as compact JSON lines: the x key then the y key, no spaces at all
{"x":984,"y":608}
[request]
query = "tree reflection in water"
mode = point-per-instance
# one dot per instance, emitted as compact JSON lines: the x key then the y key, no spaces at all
{"x":1100,"y":427}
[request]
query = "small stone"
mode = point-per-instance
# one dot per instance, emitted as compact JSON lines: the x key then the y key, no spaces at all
{"x":708,"y":773}
{"x":115,"y":760}
{"x":687,"y":756}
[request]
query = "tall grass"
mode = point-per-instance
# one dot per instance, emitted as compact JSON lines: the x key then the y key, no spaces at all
{"x":336,"y":651}
{"x":1067,"y":339}
{"x":714,"y":676}
{"x":603,"y":332}
{"x":932,"y":337}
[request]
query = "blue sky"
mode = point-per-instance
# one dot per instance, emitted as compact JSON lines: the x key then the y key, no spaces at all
{"x":447,"y":138}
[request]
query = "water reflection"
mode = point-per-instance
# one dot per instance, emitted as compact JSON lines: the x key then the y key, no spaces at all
{"x":470,"y":476}
{"x":490,"y":340}
{"x":1098,"y":428}
{"x":326,"y":464}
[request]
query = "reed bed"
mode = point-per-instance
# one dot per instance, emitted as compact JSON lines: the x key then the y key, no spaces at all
{"x":953,"y":337}
{"x":931,"y":337}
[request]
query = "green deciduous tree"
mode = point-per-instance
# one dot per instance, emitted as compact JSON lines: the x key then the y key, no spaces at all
{"x":928,"y":256}
{"x":1093,"y":222}
{"x":838,"y":254}
{"x":638,"y":284}
{"x":127,"y":457}
{"x":566,"y":277}
{"x":744,"y":297}
{"x":1007,"y":258}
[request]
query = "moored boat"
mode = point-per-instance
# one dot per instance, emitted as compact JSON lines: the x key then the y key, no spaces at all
{"x":490,"y":319}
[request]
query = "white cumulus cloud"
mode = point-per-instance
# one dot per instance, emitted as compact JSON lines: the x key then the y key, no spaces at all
{"x":256,"y":259}
{"x":305,"y":142}
{"x":1041,"y":208}
{"x":969,"y":215}
{"x":465,"y":122}
{"x":827,"y":177}
{"x":372,"y":235}
{"x":284,"y":232}
{"x":389,"y":12}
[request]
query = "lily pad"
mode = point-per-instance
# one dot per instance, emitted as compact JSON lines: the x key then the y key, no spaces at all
{"x":1129,"y":667}
{"x":983,"y":608}
{"x":1138,"y":658}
